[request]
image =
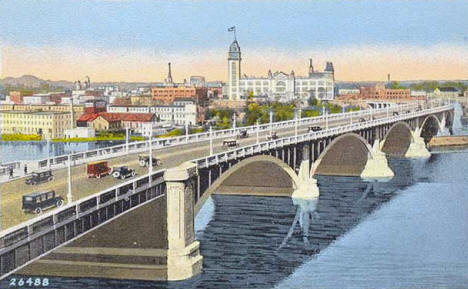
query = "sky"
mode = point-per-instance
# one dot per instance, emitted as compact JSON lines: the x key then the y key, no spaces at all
{"x":123,"y":40}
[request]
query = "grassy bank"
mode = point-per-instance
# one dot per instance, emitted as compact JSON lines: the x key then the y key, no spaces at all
{"x":97,"y":138}
{"x":20,"y":137}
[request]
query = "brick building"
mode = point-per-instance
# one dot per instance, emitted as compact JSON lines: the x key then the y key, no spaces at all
{"x":167,"y":94}
{"x":380,"y":92}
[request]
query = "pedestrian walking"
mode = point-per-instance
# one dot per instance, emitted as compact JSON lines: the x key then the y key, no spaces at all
{"x":25,"y":169}
{"x":11,"y":172}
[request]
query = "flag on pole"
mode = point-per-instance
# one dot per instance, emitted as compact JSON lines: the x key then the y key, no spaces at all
{"x":233,"y":28}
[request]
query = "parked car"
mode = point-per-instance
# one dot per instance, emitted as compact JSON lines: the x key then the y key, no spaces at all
{"x":144,"y":160}
{"x":122,"y":172}
{"x":395,"y":113}
{"x":314,"y":128}
{"x":362,"y":119}
{"x":273,"y":135}
{"x":230,"y":143}
{"x":40,"y":177}
{"x":243,"y":134}
{"x":98,"y":169}
{"x":39,"y":201}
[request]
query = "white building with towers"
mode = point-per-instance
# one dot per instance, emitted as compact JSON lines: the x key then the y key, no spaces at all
{"x":278,"y":86}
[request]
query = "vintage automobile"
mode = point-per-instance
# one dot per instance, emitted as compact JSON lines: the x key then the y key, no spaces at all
{"x":314,"y":128}
{"x":98,"y":169}
{"x":122,"y":172}
{"x":272,"y":136}
{"x":144,"y":160}
{"x":40,"y":177}
{"x":38,"y":201}
{"x":243,"y":134}
{"x":230,"y":143}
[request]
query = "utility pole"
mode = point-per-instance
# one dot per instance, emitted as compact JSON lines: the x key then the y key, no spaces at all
{"x":186,"y":132}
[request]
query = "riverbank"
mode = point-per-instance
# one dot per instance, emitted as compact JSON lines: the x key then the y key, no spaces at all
{"x":440,"y":141}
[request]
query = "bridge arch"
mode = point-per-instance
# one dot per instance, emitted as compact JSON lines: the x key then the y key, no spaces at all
{"x":398,"y":139}
{"x":278,"y":166}
{"x":430,"y":126}
{"x":346,"y":155}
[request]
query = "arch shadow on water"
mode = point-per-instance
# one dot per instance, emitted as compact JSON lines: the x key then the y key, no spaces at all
{"x":240,"y":244}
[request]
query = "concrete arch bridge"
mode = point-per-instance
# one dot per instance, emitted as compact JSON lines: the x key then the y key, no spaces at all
{"x":143,"y":229}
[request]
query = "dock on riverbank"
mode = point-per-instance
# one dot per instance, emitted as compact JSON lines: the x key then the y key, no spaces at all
{"x":441,"y":141}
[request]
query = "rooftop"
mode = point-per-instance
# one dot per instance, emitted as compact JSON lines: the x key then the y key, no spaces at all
{"x":34,"y":112}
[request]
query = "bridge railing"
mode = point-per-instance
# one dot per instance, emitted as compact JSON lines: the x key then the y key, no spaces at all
{"x":280,"y":142}
{"x":61,"y":161}
{"x":91,"y":211}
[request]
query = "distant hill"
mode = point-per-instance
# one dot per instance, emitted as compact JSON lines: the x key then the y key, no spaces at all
{"x":31,"y":82}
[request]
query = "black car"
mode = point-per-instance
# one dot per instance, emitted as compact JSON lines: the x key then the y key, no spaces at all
{"x":144,"y":160}
{"x":362,"y":119}
{"x":314,"y":128}
{"x":243,"y":134}
{"x":272,"y":136}
{"x":122,"y":172}
{"x":230,"y":143}
{"x":38,"y":201}
{"x":41,"y":177}
{"x":395,"y":113}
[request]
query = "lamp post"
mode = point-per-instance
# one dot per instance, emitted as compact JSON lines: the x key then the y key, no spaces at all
{"x":326,"y":120}
{"x":271,"y":119}
{"x":126,"y":139}
{"x":295,"y":122}
{"x":69,"y":193}
{"x":258,"y":129}
{"x":150,"y":169}
{"x":211,"y":140}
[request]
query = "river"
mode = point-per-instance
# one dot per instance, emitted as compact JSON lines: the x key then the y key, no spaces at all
{"x":34,"y":150}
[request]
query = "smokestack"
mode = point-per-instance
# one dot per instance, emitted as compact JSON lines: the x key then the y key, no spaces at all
{"x":169,"y":74}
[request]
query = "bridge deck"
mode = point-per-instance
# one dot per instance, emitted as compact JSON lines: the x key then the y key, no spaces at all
{"x":82,"y":186}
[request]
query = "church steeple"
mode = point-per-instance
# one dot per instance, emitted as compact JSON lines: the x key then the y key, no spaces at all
{"x":311,"y":67}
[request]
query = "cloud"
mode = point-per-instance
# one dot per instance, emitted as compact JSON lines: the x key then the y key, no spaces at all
{"x":353,"y":62}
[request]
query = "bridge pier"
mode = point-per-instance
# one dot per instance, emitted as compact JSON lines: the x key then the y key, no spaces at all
{"x":444,"y":130}
{"x":417,"y":148}
{"x":183,"y":256}
{"x":377,"y":168}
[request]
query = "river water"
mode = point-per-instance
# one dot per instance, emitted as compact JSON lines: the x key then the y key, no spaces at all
{"x":34,"y":150}
{"x":411,"y":232}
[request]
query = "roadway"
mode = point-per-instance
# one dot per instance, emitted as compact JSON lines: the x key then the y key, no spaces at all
{"x":82,"y":186}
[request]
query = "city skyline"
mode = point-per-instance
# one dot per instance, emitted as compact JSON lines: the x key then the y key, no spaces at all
{"x":134,"y":40}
